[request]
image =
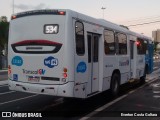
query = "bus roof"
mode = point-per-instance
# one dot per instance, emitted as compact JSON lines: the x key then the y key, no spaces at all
{"x":80,"y":16}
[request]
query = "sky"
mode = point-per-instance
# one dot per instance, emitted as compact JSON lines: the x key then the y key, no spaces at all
{"x":124,"y":12}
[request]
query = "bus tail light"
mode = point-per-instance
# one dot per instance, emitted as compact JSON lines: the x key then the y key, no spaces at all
{"x":138,"y":43}
{"x":65,"y":70}
{"x":13,"y":17}
{"x":9,"y":70}
{"x":61,"y":13}
{"x":65,"y":75}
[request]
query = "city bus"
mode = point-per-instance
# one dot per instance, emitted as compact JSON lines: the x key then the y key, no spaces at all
{"x":69,"y":54}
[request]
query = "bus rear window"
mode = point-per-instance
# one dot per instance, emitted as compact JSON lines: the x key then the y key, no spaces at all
{"x":36,"y":47}
{"x":80,"y":46}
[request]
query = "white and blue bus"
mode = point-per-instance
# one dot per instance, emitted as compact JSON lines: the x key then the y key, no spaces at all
{"x":65,"y":53}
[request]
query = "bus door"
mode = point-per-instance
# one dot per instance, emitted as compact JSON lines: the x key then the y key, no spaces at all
{"x":150,"y":52}
{"x":132,"y":59}
{"x":93,"y":62}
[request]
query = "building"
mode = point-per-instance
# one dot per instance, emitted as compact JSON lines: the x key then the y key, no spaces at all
{"x":156,"y":35}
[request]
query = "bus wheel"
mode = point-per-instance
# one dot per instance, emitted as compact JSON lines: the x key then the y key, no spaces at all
{"x":115,"y":83}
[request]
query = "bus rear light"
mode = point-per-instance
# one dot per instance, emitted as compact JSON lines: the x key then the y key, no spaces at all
{"x":138,"y":43}
{"x":65,"y":75}
{"x":13,"y":17}
{"x":9,"y":72}
{"x":61,"y":13}
{"x":9,"y":69}
{"x":65,"y":70}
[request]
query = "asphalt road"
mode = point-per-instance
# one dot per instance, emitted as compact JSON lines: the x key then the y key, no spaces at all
{"x":141,"y":100}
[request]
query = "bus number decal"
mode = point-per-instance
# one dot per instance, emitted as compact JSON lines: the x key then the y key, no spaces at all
{"x":51,"y":62}
{"x":81,"y":67}
{"x":17,"y":60}
{"x":51,"y":29}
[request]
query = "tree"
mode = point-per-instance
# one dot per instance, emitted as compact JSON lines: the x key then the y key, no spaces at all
{"x":4,"y":29}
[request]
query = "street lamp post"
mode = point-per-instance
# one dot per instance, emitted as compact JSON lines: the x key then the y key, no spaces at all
{"x":13,"y":7}
{"x":103,"y":8}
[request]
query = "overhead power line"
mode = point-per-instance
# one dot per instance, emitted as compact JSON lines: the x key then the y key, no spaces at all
{"x":141,"y":19}
{"x":143,"y":23}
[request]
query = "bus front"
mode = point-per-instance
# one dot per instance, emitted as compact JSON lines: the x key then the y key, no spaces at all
{"x":36,"y":53}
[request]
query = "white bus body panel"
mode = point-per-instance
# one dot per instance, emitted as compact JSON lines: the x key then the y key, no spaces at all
{"x":28,"y":76}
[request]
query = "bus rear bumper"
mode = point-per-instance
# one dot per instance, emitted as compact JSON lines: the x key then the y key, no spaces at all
{"x":65,"y":90}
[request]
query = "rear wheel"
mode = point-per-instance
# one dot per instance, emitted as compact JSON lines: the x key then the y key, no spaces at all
{"x":115,"y":84}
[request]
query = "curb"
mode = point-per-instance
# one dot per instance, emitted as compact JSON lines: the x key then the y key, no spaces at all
{"x":2,"y":72}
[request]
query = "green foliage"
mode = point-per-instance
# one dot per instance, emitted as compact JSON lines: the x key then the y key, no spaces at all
{"x":4,"y":29}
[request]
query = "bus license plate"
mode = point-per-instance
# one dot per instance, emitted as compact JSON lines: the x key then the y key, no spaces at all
{"x":33,"y":78}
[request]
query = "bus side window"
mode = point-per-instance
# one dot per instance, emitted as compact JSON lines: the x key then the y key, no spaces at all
{"x":141,"y":46}
{"x":122,"y":43}
{"x":109,"y":42}
{"x":79,"y":34}
{"x":145,"y":46}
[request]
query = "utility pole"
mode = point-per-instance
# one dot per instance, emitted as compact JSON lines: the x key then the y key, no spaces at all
{"x":103,"y":8}
{"x":13,"y":7}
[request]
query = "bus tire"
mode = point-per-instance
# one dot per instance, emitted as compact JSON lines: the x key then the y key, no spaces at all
{"x":115,"y":84}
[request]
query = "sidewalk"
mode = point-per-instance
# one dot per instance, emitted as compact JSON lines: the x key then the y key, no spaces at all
{"x":153,"y":75}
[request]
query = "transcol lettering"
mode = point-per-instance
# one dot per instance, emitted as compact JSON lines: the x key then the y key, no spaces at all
{"x":37,"y":72}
